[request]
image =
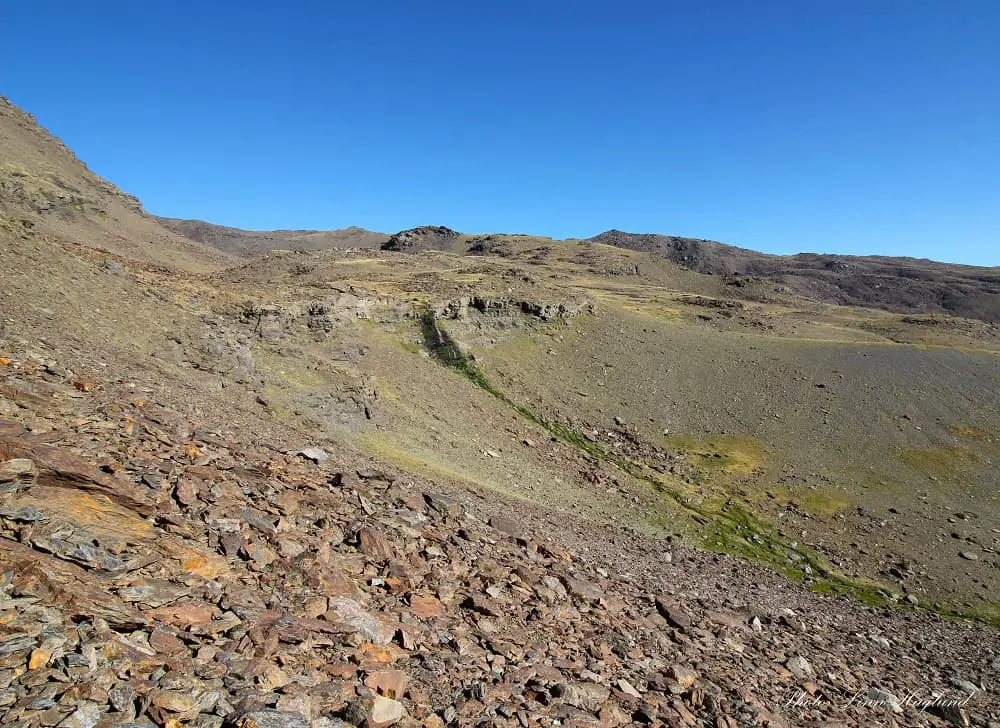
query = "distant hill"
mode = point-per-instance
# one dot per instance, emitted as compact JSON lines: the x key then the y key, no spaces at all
{"x":246,"y":242}
{"x":906,"y":285}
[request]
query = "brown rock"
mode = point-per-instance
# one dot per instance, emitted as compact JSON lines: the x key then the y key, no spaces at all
{"x":444,"y":505}
{"x":682,"y":675}
{"x":613,"y":716}
{"x":260,"y":554}
{"x":506,"y":525}
{"x":186,"y":492}
{"x":586,"y":696}
{"x":270,"y":719}
{"x":390,"y":683}
{"x":375,"y":543}
{"x":290,"y":549}
{"x":426,"y":607}
{"x":674,"y":615}
{"x":482,"y":604}
{"x":17,"y":469}
{"x":333,"y":582}
{"x":166,"y":643}
{"x":349,"y":615}
{"x":274,"y":678}
{"x":183,"y":615}
{"x":372,"y":655}
{"x":172,"y":701}
{"x":583,"y":590}
{"x":39,"y":658}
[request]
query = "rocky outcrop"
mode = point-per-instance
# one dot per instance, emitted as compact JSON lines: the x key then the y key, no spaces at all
{"x":507,"y":308}
{"x":426,"y":237}
{"x":318,"y":317}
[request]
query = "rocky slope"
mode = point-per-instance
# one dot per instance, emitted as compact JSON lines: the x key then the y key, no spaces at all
{"x":46,"y":191}
{"x":370,"y":488}
{"x":159,"y":571}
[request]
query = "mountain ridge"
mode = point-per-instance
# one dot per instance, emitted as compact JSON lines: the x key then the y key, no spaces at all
{"x":891,"y":283}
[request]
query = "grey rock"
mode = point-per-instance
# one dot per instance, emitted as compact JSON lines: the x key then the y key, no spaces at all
{"x":317,"y":455}
{"x":24,"y":514}
{"x":113,"y":267}
{"x":121,"y":698}
{"x":586,"y":696}
{"x":268,"y":719}
{"x":21,"y":643}
{"x":86,"y":715}
{"x":799,"y":667}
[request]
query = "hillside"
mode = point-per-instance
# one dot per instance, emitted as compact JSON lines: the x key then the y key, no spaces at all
{"x":473,"y":479}
{"x":900,"y":285}
{"x":245,"y":242}
{"x":903,"y":285}
{"x":46,"y":192}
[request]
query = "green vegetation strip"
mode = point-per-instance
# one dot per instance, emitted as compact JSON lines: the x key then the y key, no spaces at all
{"x":731,"y":529}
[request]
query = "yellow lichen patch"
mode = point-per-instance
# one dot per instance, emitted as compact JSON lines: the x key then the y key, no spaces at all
{"x":813,"y":502}
{"x":95,"y":513}
{"x":969,"y":432}
{"x":941,"y":462}
{"x":729,"y":454}
{"x":207,"y":566}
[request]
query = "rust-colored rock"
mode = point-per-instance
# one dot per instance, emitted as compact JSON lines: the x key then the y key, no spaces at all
{"x":426,"y":607}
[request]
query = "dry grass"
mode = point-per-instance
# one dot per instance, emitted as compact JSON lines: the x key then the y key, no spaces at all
{"x":941,"y":462}
{"x":969,"y":432}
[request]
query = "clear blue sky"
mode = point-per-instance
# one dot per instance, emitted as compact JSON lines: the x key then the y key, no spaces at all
{"x":861,"y":126}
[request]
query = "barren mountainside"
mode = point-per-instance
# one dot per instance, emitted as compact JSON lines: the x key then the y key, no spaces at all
{"x":904,"y":285}
{"x":244,"y":242}
{"x":45,"y":189}
{"x":901,"y":285}
{"x":306,"y":479}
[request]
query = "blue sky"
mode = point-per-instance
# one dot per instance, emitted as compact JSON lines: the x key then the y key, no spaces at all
{"x":856,"y":126}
